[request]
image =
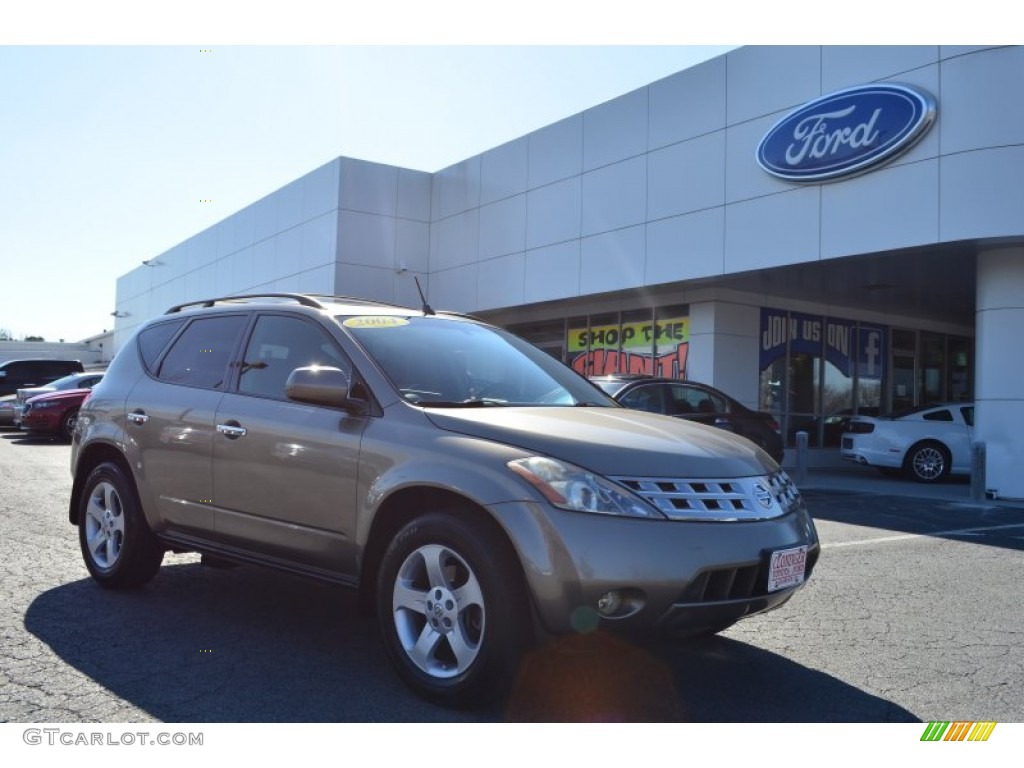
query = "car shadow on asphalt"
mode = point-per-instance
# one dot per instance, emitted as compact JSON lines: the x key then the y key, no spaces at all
{"x":978,"y":523}
{"x":243,"y":645}
{"x":27,"y":438}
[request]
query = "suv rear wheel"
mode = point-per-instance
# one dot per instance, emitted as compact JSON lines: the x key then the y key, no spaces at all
{"x":119,"y":549}
{"x":452,"y":609}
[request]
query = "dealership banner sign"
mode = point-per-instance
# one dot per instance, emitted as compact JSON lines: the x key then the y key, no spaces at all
{"x":629,"y":348}
{"x":844,"y":343}
{"x":846,"y":133}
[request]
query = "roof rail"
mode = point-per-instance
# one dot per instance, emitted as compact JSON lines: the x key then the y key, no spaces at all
{"x":302,"y":299}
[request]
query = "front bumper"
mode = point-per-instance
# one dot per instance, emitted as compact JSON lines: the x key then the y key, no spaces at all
{"x":675,"y":578}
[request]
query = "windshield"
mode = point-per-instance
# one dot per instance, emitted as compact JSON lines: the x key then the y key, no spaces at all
{"x":66,"y":382}
{"x":436,"y":361}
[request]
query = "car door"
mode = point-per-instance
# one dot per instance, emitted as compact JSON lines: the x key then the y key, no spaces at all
{"x":285,"y":473}
{"x":170,"y":421}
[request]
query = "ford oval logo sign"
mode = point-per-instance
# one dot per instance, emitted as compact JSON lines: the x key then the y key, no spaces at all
{"x":846,"y":132}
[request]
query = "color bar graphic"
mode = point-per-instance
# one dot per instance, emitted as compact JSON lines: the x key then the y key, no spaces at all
{"x":958,"y":731}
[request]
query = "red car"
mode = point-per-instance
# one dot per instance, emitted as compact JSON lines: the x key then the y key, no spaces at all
{"x":53,"y":413}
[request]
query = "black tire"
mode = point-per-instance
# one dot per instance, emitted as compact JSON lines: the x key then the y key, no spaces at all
{"x":927,"y":462}
{"x":117,"y":544}
{"x":447,"y":582}
{"x":67,"y":424}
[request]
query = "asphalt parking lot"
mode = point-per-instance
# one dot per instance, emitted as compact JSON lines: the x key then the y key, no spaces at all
{"x":913,"y":614}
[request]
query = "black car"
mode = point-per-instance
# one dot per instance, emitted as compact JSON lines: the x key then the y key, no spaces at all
{"x":21,"y":374}
{"x":697,"y":402}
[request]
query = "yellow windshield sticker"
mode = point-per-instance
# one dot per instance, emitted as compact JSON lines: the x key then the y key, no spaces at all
{"x":374,"y":321}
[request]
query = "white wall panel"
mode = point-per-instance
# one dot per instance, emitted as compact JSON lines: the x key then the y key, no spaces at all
{"x":455,"y":289}
{"x":685,"y":247}
{"x":843,"y":66}
{"x":320,"y":190}
{"x":685,"y":177}
{"x":241,"y":268}
{"x":981,"y":194}
{"x":262,"y":267}
{"x":744,"y":178}
{"x":503,"y":171}
{"x":983,"y":91}
{"x":763,"y":80}
{"x":365,"y":238}
{"x":319,"y":241}
{"x":412,"y":245}
{"x":223,"y":276}
{"x":687,"y":104}
{"x":319,"y":280}
{"x":265,"y":218}
{"x":896,"y":207}
{"x":614,"y":196}
{"x":456,"y":188}
{"x":500,"y":282}
{"x":503,"y":227}
{"x":556,"y":152}
{"x":289,"y":255}
{"x":414,"y":189}
{"x":952,"y":51}
{"x":454,"y":240}
{"x":771,"y":231}
{"x":288,"y":200}
{"x":553,"y":213}
{"x":613,"y":260}
{"x":615,"y":130}
{"x":359,"y":280}
{"x":243,"y":228}
{"x":553,"y":272}
{"x":368,"y":187}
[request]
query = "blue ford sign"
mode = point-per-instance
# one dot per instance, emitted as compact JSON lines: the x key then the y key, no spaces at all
{"x":846,"y":132}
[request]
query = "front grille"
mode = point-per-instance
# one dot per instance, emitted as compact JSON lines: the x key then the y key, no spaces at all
{"x":744,"y":498}
{"x":723,"y":584}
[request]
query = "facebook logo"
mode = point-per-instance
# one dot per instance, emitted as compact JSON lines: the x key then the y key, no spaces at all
{"x":871,"y":352}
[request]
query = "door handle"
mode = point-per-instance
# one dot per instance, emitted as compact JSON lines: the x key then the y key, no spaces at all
{"x":138,"y":417}
{"x":231,"y":430}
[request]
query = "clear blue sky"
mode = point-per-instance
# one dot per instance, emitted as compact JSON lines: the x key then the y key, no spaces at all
{"x":115,"y":122}
{"x":107,"y":151}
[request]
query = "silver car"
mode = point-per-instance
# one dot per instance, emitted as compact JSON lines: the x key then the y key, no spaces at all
{"x":478,"y":494}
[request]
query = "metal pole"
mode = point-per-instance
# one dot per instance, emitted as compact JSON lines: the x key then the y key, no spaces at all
{"x":801,"y":457}
{"x":977,"y":471}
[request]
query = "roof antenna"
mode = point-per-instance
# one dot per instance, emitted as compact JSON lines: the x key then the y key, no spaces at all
{"x":426,"y":307}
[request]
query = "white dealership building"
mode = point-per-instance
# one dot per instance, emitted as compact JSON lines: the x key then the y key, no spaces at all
{"x":813,"y":229}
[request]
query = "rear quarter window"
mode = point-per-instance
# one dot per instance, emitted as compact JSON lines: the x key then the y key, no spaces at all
{"x":152,"y":341}
{"x":199,"y":357}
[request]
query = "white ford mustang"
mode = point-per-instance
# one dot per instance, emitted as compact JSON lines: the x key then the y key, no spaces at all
{"x":927,"y":443}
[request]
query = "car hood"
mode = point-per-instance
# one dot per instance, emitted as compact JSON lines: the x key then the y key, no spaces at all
{"x":30,"y":392}
{"x":613,"y":441}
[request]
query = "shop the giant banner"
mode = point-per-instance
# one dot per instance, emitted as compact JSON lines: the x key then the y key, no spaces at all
{"x":628,"y":348}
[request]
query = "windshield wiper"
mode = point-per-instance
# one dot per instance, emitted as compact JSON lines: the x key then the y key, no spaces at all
{"x":470,"y":403}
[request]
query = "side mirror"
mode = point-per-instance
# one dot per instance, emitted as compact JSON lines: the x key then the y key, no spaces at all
{"x":321,"y":385}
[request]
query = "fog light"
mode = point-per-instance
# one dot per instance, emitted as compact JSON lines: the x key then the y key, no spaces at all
{"x":609,"y":603}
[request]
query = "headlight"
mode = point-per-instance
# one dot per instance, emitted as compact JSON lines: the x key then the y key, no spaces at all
{"x":44,"y":404}
{"x":570,"y":487}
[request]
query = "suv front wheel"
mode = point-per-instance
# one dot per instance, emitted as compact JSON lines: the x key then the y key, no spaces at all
{"x":119,"y":549}
{"x":452,"y":609}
